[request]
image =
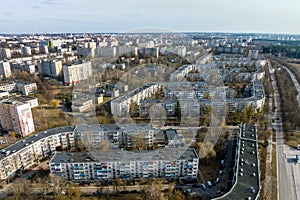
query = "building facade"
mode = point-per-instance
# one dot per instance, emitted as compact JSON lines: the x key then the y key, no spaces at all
{"x":25,"y":88}
{"x":51,"y":68}
{"x":5,"y":69}
{"x":77,"y":72}
{"x":25,"y":153}
{"x":5,"y":53}
{"x":16,"y":116}
{"x":164,"y":163}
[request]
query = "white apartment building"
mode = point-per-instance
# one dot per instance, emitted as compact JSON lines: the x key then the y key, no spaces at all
{"x":82,"y":105}
{"x":190,"y":95}
{"x":24,"y":153}
{"x":44,"y":49}
{"x":178,"y":50}
{"x":77,"y":72}
{"x":170,"y":164}
{"x":28,"y":68}
{"x":26,"y":51}
{"x":123,"y":50}
{"x":25,"y":88}
{"x":33,"y":102}
{"x":5,"y":53}
{"x":85,"y":52}
{"x":87,"y":49}
{"x":5,"y":70}
{"x":120,"y":105}
{"x":16,"y":116}
{"x":122,"y":136}
{"x":51,"y":68}
{"x":106,"y":51}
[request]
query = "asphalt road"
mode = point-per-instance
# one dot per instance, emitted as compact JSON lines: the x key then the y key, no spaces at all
{"x":287,"y":183}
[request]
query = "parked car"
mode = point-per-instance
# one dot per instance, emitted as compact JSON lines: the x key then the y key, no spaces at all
{"x":209,"y":184}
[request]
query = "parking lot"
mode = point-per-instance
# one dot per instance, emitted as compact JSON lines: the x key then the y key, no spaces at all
{"x":214,"y":188}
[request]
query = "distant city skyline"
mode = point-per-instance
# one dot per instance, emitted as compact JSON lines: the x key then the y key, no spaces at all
{"x":60,"y":16}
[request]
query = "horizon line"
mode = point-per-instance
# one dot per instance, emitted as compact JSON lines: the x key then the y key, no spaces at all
{"x":154,"y":32}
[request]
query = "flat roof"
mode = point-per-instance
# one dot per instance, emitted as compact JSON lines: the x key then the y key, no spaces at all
{"x":14,"y":148}
{"x":22,"y":98}
{"x":171,"y":134}
{"x":124,"y":156}
{"x":248,"y":177}
{"x":113,"y":127}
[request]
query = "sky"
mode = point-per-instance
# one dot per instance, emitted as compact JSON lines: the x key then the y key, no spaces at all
{"x":60,"y":16}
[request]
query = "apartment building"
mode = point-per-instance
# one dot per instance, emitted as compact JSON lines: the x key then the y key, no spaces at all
{"x":5,"y":69}
{"x":51,"y":68}
{"x":77,"y":72}
{"x":5,"y":53}
{"x":30,"y":68}
{"x":25,"y":153}
{"x":25,"y":51}
{"x":88,"y":49}
{"x":169,"y":138}
{"x":106,"y":51}
{"x":149,"y":52}
{"x":44,"y":49}
{"x":16,"y":116}
{"x":82,"y":105}
{"x":246,"y":171}
{"x":120,"y":106}
{"x":25,"y":88}
{"x":33,"y":102}
{"x":169,"y":164}
{"x":256,"y":100}
{"x":190,"y":96}
{"x":170,"y":106}
{"x":118,"y":136}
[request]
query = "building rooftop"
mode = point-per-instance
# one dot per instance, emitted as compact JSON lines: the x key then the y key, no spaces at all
{"x":248,"y":174}
{"x":33,"y":138}
{"x":23,"y":99}
{"x":125,"y":156}
{"x":171,"y":134}
{"x":113,"y":127}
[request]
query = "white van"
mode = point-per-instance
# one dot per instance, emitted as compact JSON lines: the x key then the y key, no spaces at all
{"x":298,"y":147}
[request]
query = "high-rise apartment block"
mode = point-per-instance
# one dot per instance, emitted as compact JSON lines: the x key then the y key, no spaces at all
{"x":5,"y":70}
{"x":16,"y":116}
{"x":5,"y":53}
{"x":51,"y":68}
{"x":44,"y":49}
{"x":26,"y":51}
{"x":77,"y":72}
